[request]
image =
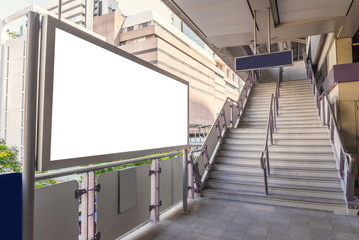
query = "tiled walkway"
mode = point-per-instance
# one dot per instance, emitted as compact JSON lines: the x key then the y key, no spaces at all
{"x":218,"y":219}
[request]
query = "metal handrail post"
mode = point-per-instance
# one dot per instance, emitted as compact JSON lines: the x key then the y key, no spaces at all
{"x":31,"y":91}
{"x":184,"y":180}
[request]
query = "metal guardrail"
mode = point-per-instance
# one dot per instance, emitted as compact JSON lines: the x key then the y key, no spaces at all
{"x":209,"y":148}
{"x":344,"y":160}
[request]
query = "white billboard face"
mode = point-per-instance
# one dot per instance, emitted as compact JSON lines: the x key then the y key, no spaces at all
{"x":106,"y":106}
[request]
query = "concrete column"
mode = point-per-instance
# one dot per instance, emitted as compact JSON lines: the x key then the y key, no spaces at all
{"x":344,"y":50}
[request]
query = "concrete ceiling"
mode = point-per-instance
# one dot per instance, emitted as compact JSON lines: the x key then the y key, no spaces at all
{"x":227,"y":26}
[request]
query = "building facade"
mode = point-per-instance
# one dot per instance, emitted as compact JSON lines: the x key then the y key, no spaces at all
{"x":12,"y":91}
{"x":82,"y":12}
{"x":178,"y":51}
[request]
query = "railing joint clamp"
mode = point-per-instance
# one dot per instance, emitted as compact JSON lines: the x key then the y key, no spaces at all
{"x":97,"y":188}
{"x":154,"y":171}
{"x":80,"y":192}
{"x":154,"y":206}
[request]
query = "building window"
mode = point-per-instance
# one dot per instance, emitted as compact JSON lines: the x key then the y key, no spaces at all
{"x":23,"y":65}
{"x":231,"y":86}
{"x":143,"y":25}
{"x":123,"y":43}
{"x":7,"y":86}
{"x":22,"y":118}
{"x":130,"y":29}
{"x":7,"y":70}
{"x":189,"y":33}
{"x":24,"y":50}
{"x":22,"y":100}
{"x":5,"y":123}
{"x":6,"y":103}
{"x":22,"y":136}
{"x":5,"y":135}
{"x":23,"y":83}
{"x":8,"y":53}
{"x":76,"y":15}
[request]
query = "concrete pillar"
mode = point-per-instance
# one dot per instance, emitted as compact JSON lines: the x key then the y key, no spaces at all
{"x":344,"y":50}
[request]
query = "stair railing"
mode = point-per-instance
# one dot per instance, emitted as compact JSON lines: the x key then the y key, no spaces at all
{"x":271,"y":125}
{"x":344,"y":160}
{"x":201,"y":159}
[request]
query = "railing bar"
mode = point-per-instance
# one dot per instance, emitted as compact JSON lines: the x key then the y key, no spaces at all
{"x":43,"y":176}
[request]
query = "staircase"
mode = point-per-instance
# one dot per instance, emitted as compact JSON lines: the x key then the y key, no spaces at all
{"x":303,"y":170}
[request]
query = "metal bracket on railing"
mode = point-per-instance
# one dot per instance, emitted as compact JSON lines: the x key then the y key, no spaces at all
{"x":204,"y":153}
{"x":97,"y":188}
{"x":190,"y":187}
{"x":197,"y":178}
{"x":150,"y":172}
{"x":223,"y":114}
{"x":80,"y":192}
{"x":332,"y":131}
{"x":154,"y":206}
{"x":97,"y":236}
{"x":219,"y":132}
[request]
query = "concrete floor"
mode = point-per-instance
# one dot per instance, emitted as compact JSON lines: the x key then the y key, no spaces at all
{"x":218,"y":219}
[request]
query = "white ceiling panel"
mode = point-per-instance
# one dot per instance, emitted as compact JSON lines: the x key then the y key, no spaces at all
{"x":232,"y":16}
{"x":294,"y":10}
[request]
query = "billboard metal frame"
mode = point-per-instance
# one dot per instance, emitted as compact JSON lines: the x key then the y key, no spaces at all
{"x":47,"y":47}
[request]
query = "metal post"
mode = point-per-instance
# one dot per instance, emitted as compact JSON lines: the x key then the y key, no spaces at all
{"x":267,"y":160}
{"x":28,"y":176}
{"x":184,"y":180}
{"x":59,"y":9}
{"x":255,"y":33}
{"x":153,"y":191}
{"x":190,"y":177}
{"x":269,"y":33}
{"x":91,"y":206}
{"x":265,"y":181}
{"x":84,"y":207}
{"x":231,"y":113}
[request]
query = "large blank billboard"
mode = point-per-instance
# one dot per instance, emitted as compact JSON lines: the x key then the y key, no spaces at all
{"x":99,"y":103}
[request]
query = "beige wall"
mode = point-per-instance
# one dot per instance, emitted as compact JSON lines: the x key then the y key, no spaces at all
{"x":344,"y":51}
{"x":109,"y":26}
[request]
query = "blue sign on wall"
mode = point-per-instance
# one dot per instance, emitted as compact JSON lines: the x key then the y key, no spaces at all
{"x":269,"y":60}
{"x":11,"y":206}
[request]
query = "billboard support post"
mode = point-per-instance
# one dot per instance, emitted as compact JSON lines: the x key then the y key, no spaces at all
{"x":28,"y":187}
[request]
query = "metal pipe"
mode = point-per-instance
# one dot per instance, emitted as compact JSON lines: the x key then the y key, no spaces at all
{"x":59,"y":9}
{"x":28,"y":176}
{"x":184,"y":180}
{"x":255,"y":32}
{"x":44,"y":176}
{"x":269,"y":32}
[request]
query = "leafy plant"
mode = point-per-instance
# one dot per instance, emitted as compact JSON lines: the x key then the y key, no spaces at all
{"x":8,"y":158}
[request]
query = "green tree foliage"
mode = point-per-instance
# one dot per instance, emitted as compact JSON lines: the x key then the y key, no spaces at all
{"x":10,"y":163}
{"x":8,"y":158}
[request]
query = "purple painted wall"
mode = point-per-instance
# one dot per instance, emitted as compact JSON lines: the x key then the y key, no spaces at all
{"x":341,"y":73}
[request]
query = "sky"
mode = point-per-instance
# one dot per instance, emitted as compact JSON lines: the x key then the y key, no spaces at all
{"x":128,"y":7}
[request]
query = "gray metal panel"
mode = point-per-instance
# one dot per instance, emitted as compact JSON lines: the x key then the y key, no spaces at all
{"x":112,"y":224}
{"x":127,"y":189}
{"x":176,"y":180}
{"x":56,"y":212}
{"x":166,"y":183}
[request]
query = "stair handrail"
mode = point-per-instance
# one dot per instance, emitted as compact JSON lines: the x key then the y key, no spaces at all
{"x":344,"y":160}
{"x":217,"y":129}
{"x":264,"y":155}
{"x":271,"y":125}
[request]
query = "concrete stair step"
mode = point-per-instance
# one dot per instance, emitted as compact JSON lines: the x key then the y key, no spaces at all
{"x":276,"y":180}
{"x":276,"y":199}
{"x":279,"y":136}
{"x":282,"y":130}
{"x":281,"y":163}
{"x":328,"y":193}
{"x":326,"y":157}
{"x":260,"y":141}
{"x":279,"y":171}
{"x":278,"y":148}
